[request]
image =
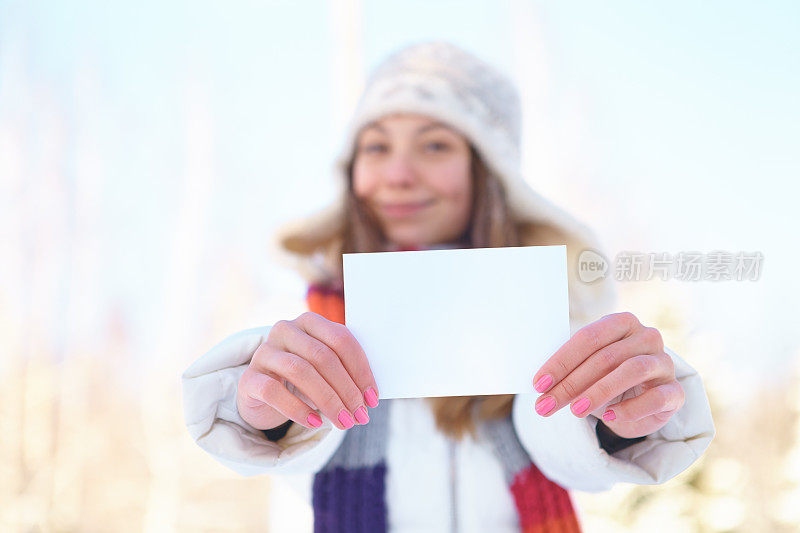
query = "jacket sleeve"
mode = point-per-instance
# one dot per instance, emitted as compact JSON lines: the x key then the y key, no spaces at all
{"x":566,"y":448}
{"x":212,"y":417}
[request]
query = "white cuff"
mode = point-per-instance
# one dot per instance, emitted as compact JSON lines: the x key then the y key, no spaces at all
{"x":565,"y":448}
{"x":212,"y":417}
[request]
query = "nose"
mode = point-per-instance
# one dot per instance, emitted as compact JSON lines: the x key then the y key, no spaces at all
{"x":400,"y":171}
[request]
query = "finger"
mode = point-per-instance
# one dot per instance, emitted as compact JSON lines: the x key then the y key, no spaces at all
{"x":634,"y":371}
{"x":586,"y":341}
{"x":339,"y":339}
{"x":662,"y":401}
{"x":330,"y":367}
{"x":595,"y":369}
{"x":305,"y":378}
{"x":274,"y":393}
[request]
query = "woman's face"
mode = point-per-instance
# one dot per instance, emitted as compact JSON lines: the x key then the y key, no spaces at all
{"x":413,"y":172}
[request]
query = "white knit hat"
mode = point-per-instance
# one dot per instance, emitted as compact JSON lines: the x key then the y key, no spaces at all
{"x":444,"y":82}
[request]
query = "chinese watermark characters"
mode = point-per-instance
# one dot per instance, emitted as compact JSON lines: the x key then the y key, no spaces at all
{"x":717,"y":265}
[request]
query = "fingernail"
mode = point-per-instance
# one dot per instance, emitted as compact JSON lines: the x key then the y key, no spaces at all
{"x":344,"y":418}
{"x":545,"y":405}
{"x":361,"y":415}
{"x":544,"y":382}
{"x":314,"y":420}
{"x":609,"y":415}
{"x":580,"y":406}
{"x":371,"y":397}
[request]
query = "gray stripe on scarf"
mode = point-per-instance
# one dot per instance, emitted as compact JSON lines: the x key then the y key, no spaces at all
{"x":364,"y":445}
{"x":501,"y":437}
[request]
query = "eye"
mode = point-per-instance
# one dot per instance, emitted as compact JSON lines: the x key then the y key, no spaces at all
{"x":374,"y":147}
{"x":437,"y":146}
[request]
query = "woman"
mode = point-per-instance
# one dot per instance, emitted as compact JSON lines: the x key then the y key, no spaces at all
{"x":431,"y":160}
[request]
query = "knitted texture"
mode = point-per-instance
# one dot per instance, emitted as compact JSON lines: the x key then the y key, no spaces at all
{"x":349,"y":491}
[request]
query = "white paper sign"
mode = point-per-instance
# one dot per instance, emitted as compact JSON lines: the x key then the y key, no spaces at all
{"x":457,"y":322}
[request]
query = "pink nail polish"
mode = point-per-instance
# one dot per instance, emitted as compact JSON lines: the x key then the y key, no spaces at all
{"x":344,"y":418}
{"x":543,"y":383}
{"x":580,"y":406}
{"x":371,"y":397}
{"x":545,"y":405}
{"x":314,"y":420}
{"x":361,"y":415}
{"x":609,"y":415}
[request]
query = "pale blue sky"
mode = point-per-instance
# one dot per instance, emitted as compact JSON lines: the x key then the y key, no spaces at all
{"x":680,"y":119}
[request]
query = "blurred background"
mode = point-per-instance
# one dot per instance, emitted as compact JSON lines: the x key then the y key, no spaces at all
{"x":149,"y":149}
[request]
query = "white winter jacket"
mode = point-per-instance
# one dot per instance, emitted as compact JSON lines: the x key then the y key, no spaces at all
{"x":423,"y":464}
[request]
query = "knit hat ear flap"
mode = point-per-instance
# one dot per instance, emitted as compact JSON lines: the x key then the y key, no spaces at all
{"x":305,"y":236}
{"x":304,"y":244}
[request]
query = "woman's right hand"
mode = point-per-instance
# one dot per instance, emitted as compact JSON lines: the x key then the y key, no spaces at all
{"x":324,"y":363}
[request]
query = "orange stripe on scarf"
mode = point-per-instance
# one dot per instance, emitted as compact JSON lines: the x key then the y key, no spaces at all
{"x":326,"y":302}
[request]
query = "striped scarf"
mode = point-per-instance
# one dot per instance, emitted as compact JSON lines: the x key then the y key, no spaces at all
{"x":348,"y":492}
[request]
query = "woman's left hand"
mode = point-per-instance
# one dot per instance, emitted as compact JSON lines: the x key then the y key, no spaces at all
{"x":605,"y":359}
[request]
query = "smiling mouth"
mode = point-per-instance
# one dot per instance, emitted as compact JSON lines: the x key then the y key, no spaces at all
{"x":404,"y":209}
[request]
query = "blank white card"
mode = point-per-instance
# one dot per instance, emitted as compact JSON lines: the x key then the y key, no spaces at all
{"x":457,"y":322}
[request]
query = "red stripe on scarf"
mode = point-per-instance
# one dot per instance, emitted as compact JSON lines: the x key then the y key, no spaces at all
{"x":543,"y":506}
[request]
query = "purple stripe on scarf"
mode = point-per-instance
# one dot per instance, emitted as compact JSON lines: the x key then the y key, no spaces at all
{"x":350,"y":500}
